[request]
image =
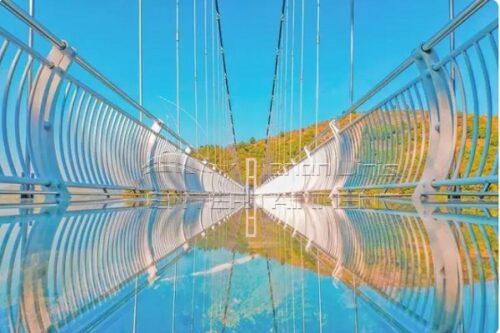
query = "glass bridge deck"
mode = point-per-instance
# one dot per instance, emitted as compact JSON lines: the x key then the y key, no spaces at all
{"x":223,"y":266}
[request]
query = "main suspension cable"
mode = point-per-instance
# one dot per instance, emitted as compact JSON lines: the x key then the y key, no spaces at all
{"x":273,"y":89}
{"x":224,"y":67}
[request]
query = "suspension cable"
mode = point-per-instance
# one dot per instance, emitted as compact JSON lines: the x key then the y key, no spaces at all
{"x":205,"y":36}
{"x":140,"y":57}
{"x":285,"y":96}
{"x":177,"y":68}
{"x":273,"y":87}
{"x":224,"y":66}
{"x":351,"y":55}
{"x":301,"y":79}
{"x":292,"y":75}
{"x":214,"y":73}
{"x":316,"y":105}
{"x":195,"y":70}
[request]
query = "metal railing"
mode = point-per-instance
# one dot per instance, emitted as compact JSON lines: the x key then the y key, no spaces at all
{"x":64,"y":267}
{"x":59,"y":133}
{"x":437,"y":133}
{"x":421,"y":272}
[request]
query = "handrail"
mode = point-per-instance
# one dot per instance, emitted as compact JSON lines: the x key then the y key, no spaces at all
{"x":61,"y":44}
{"x":436,"y":38}
{"x":453,"y":24}
{"x":417,"y":131}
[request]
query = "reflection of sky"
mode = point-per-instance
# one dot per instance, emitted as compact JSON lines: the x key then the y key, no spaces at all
{"x":249,"y":307}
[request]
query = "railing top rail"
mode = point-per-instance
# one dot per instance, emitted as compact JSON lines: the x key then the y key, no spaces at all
{"x":43,"y":31}
{"x":426,"y":46}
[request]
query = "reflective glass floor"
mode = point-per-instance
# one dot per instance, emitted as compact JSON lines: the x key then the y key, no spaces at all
{"x":277,"y":265}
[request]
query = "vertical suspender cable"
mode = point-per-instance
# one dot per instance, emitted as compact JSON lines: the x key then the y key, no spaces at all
{"x":134,"y":324}
{"x":451,"y":9}
{"x":301,"y":82}
{"x":292,"y":73}
{"x":280,"y":109}
{"x":31,"y":42}
{"x":316,"y":105}
{"x":351,"y":56}
{"x":177,"y":68}
{"x":214,"y":73}
{"x":195,"y":71}
{"x":140,"y":59}
{"x":219,"y":98}
{"x":205,"y":36}
{"x":285,"y":95}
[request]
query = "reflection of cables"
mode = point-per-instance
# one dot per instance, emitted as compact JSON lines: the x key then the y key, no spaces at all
{"x":302,"y":290}
{"x":193,"y":288}
{"x":228,"y":293}
{"x":271,"y":294}
{"x":173,"y":297}
{"x":134,"y":323}
{"x":292,"y":282}
{"x":320,"y":314}
{"x":204,"y":284}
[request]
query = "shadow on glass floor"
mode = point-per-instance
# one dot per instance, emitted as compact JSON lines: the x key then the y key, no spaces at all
{"x":217,"y":266}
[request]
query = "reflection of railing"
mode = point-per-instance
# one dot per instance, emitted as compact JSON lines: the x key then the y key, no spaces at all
{"x":436,"y":131}
{"x":59,"y":132}
{"x":60,"y":265}
{"x":425,"y":273}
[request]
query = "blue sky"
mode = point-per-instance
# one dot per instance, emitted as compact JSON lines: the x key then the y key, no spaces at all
{"x":105,"y":33}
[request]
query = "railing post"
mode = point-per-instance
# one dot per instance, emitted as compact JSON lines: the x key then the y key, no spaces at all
{"x":153,"y":145}
{"x":339,"y":180}
{"x":41,"y":123}
{"x":441,"y":125}
{"x":448,"y":285}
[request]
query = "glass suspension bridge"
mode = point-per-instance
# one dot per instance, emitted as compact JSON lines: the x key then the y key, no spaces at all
{"x":386,"y":220}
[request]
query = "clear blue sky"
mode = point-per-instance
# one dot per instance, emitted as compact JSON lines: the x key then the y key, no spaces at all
{"x":105,"y":33}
